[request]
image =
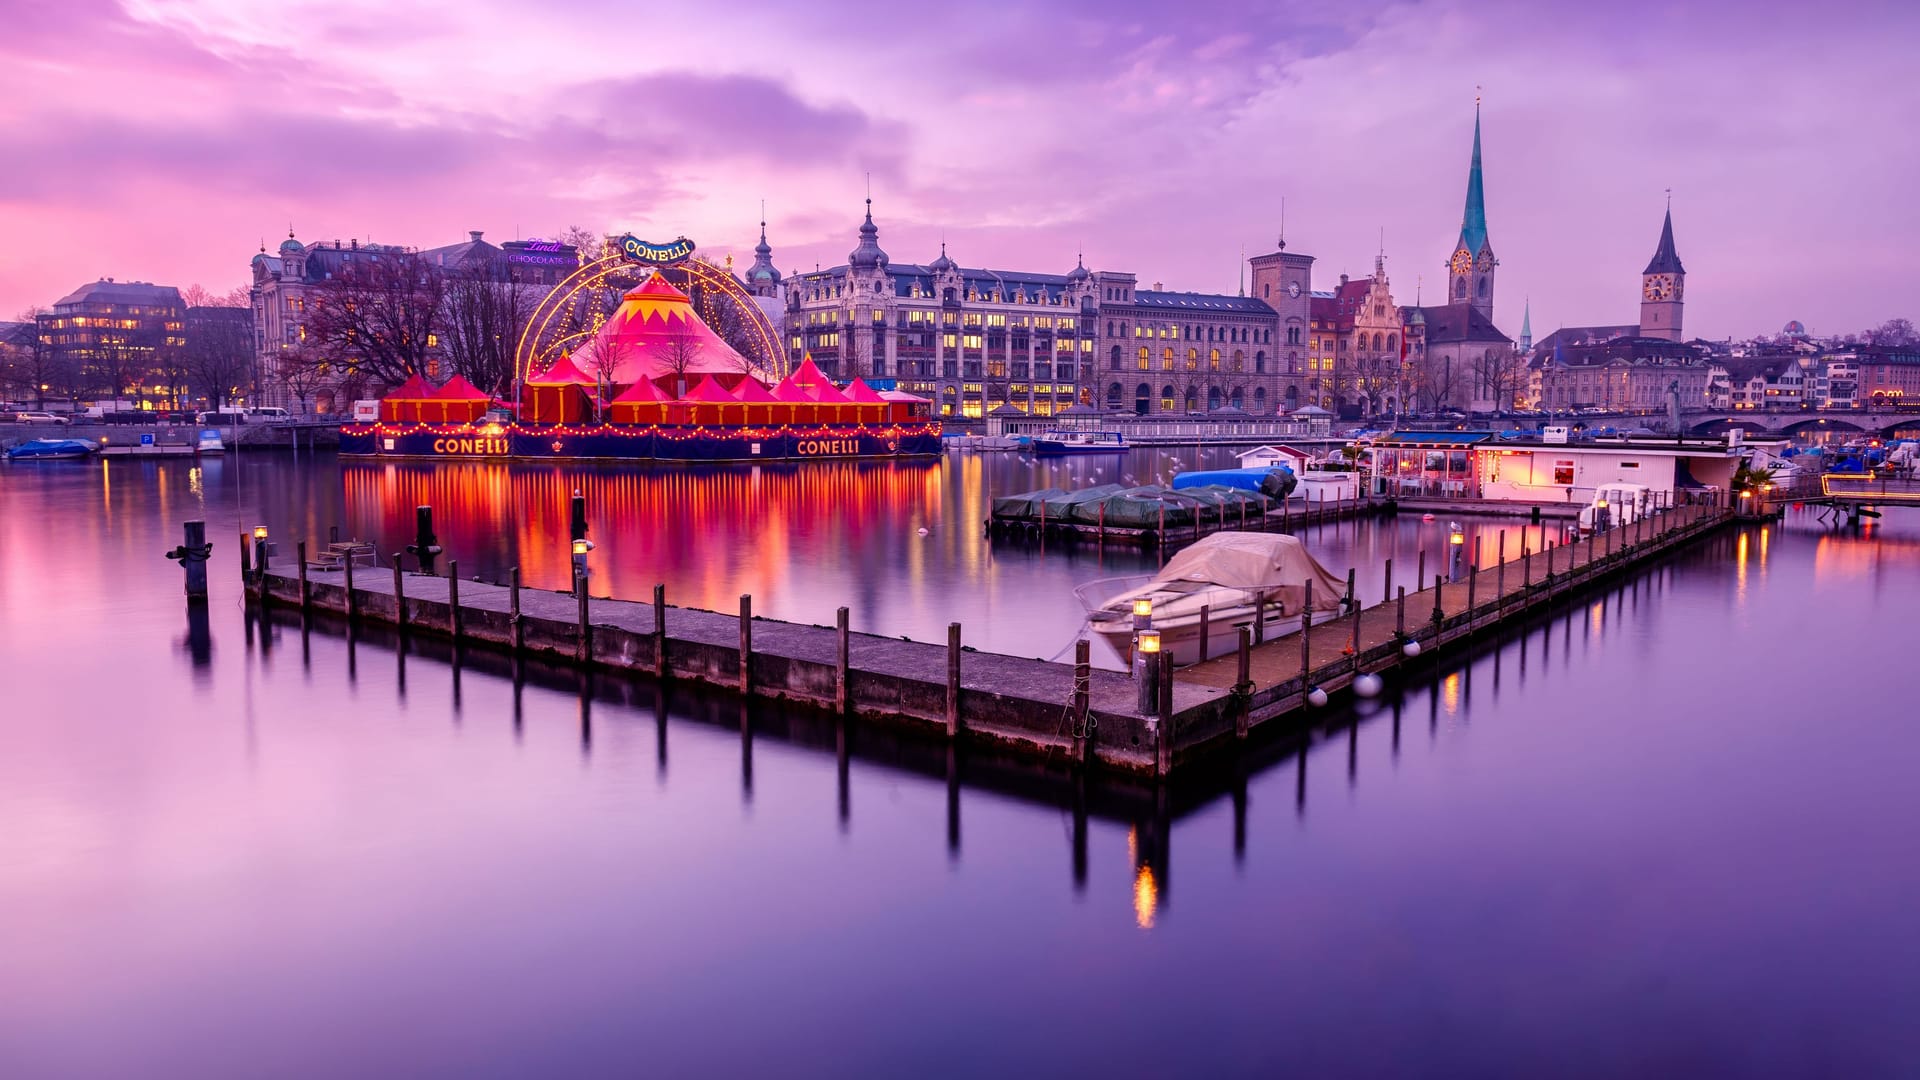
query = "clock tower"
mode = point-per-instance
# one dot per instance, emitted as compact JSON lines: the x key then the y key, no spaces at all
{"x":1470,"y":268}
{"x":1663,"y":288}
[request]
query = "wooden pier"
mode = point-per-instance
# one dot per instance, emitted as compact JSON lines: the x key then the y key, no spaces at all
{"x":1070,"y":714}
{"x":1284,"y":518}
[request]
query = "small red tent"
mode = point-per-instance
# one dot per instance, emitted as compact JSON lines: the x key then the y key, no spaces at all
{"x":456,"y":402}
{"x":562,"y":394}
{"x":806,"y":384}
{"x":762,"y":406}
{"x":870,"y":407}
{"x":641,"y":403}
{"x":406,"y":403}
{"x":710,"y":403}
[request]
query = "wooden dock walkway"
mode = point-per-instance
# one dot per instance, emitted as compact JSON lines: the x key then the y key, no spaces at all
{"x":1034,"y":709}
{"x":1279,"y":674}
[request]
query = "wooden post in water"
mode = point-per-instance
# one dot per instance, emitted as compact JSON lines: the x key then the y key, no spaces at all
{"x":353,"y":608}
{"x":1526,"y":568}
{"x":582,"y":641}
{"x":746,"y":643}
{"x":1206,"y":620}
{"x":1400,"y":613}
{"x":399,"y":595}
{"x":1243,"y":685}
{"x":1500,"y":575}
{"x":953,"y":680}
{"x":516,"y":633}
{"x":1352,"y":598}
{"x":1164,"y":759}
{"x":1355,"y":616}
{"x":1163,"y":532}
{"x":1082,"y":682}
{"x":246,"y":559}
{"x":1260,"y":616}
{"x":1473,"y":578}
{"x":1420,"y":575}
{"x":659,"y":631}
{"x":1389,"y":593}
{"x":305,"y":595}
{"x":453,"y":597}
{"x":1306,"y":642}
{"x":841,"y":650}
{"x":1101,"y":537}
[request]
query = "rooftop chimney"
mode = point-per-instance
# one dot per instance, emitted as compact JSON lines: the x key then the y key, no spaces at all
{"x":474,"y":235}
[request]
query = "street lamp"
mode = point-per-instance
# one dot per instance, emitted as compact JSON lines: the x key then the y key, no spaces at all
{"x":260,"y":550}
{"x":580,"y":549}
{"x":1147,"y":659}
{"x":1456,"y":547}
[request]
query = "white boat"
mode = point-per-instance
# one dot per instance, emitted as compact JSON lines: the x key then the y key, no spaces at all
{"x":210,"y":442}
{"x":1615,"y":505}
{"x":1053,"y":443}
{"x":1238,"y":577}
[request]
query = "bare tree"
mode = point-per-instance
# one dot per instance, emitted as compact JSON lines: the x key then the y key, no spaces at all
{"x":601,"y":357}
{"x":118,"y":361}
{"x":481,"y":324}
{"x":1499,"y":376}
{"x":1894,"y":333}
{"x":380,"y":314}
{"x":218,"y":357}
{"x":304,"y":370}
{"x":1435,"y":381}
{"x":678,"y":354}
{"x":591,"y":245}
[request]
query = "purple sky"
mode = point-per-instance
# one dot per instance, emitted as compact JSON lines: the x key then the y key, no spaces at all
{"x":162,"y":139}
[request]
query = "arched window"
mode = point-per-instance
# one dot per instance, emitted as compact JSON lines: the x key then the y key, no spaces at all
{"x":1109,"y":327}
{"x":1166,"y":398}
{"x":1269,"y":292}
{"x":1238,"y":398}
{"x":1113,"y":361}
{"x":1259,"y":399}
{"x":1213,"y":398}
{"x":1260,"y":362}
{"x":1483,"y":288}
{"x":1378,"y":342}
{"x":1166,"y":358}
{"x":1193,"y":399}
{"x":1143,"y":358}
{"x":1293,"y":398}
{"x":1239,"y":360}
{"x":1459,"y":288}
{"x":1393,"y":343}
{"x":1113,"y":396}
{"x":1213,"y":359}
{"x":1193,"y":359}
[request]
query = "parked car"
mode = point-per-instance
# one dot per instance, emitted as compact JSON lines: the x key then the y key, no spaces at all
{"x":269,"y":414}
{"x":42,"y":418}
{"x":222,"y":419}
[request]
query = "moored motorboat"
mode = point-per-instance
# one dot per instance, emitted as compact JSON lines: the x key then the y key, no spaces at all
{"x":51,"y":450}
{"x":1053,"y":443}
{"x":210,"y":442}
{"x":1238,"y":578}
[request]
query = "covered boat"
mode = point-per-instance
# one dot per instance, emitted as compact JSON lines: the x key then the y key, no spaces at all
{"x":1025,"y":505}
{"x":51,"y":450}
{"x":1239,"y":577}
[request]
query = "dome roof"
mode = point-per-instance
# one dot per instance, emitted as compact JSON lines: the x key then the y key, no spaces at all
{"x":290,"y":246}
{"x":942,"y":263}
{"x":1417,"y":318}
{"x":868,"y":256}
{"x":1079,"y":271}
{"x":1795,"y":328}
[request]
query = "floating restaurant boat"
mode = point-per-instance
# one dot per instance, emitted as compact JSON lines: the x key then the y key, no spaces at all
{"x":663,"y":386}
{"x":1238,"y":577}
{"x":1055,"y":443}
{"x":51,"y":450}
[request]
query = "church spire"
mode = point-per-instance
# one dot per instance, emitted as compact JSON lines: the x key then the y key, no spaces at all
{"x":1665,"y":259}
{"x":1526,"y":326}
{"x":1473,"y":223}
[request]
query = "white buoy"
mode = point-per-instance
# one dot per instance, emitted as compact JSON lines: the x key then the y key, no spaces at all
{"x":1317,"y":697}
{"x":922,"y":530}
{"x":1411,"y":649}
{"x":1367,"y":685}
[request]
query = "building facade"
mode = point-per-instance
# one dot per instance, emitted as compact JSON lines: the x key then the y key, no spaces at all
{"x":114,"y":337}
{"x":975,"y":339}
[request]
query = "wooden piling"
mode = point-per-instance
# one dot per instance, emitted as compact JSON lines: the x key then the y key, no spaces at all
{"x":399,"y":594}
{"x":1306,"y":638}
{"x":1355,"y":646}
{"x":1473,"y":579}
{"x":453,"y":596}
{"x":1243,"y":685}
{"x":515,"y":629}
{"x":841,"y":652}
{"x":953,"y":680}
{"x":1388,"y":594}
{"x":1420,"y":576}
{"x":1206,"y":621}
{"x":246,"y":558}
{"x":746,"y":643}
{"x":1260,"y":616}
{"x":1352,"y":599}
{"x":306,"y":595}
{"x":353,"y":606}
{"x":1400,"y":614}
{"x":659,"y":631}
{"x":1163,"y":759}
{"x":1082,"y":698}
{"x":582,"y":639}
{"x":1500,"y":575}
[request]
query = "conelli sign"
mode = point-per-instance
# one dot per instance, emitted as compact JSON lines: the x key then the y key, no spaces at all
{"x":641,"y":251}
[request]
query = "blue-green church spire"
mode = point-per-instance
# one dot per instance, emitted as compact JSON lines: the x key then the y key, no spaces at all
{"x":1471,"y":267}
{"x":1473,"y":224}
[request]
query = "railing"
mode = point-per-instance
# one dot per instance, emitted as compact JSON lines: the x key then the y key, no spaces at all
{"x":1867,"y":487}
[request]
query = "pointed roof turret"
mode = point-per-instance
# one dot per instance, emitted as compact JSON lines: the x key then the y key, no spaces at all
{"x":1473,"y":224}
{"x":1665,"y":259}
{"x":763,"y":272}
{"x":868,"y":256}
{"x":1079,"y":271}
{"x":1526,"y":326}
{"x":941,"y":264}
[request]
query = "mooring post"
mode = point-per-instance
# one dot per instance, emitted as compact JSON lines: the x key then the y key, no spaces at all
{"x":453,"y":597}
{"x":425,"y":546}
{"x":1526,"y":568}
{"x":399,"y":595}
{"x":1243,"y":686}
{"x":1260,"y":616}
{"x":1101,"y":536}
{"x":1206,"y":620}
{"x":301,"y":551}
{"x":353,"y":608}
{"x":1500,"y":575}
{"x":1400,"y":613}
{"x":582,"y":643}
{"x":1473,"y":579}
{"x":192,"y":557}
{"x":1306,"y":643}
{"x":953,"y":680}
{"x":1352,"y":599}
{"x":1163,"y":532}
{"x":746,"y":642}
{"x":246,"y":558}
{"x":660,"y":631}
{"x":1355,"y":616}
{"x":516,"y":634}
{"x":840,"y":656}
{"x":1082,"y":686}
{"x":1164,"y":762}
{"x":1420,"y":575}
{"x":1388,"y":594}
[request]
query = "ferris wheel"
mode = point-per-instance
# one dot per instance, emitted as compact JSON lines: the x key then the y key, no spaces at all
{"x":569,"y":316}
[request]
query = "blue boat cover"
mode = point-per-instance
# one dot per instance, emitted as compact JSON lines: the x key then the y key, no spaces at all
{"x":1244,"y":479}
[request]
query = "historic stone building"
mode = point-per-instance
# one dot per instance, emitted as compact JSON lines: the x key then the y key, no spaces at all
{"x":976,"y":339}
{"x":1361,"y":348}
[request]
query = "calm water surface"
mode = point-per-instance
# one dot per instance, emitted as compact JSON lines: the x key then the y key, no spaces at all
{"x":1666,"y":831}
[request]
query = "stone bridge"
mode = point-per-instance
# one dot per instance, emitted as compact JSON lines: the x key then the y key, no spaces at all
{"x":1791,"y":422}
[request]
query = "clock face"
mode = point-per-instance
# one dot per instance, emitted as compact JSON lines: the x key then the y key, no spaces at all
{"x":1462,"y":262}
{"x":1293,"y":289}
{"x":1658,"y":287}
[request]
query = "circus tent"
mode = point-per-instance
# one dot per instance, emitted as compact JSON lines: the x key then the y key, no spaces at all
{"x":655,"y":334}
{"x":563,"y":394}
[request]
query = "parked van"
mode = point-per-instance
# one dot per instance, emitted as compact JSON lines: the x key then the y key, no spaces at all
{"x":221,"y":419}
{"x":269,"y":414}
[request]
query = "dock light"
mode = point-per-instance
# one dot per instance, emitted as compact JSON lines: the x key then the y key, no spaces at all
{"x":1143,"y":607}
{"x":1317,"y":698}
{"x":259,"y":532}
{"x":581,"y":547}
{"x":1149,"y":641}
{"x":1600,"y":503}
{"x":1746,"y":494}
{"x":1457,"y":538}
{"x":1368,"y":685}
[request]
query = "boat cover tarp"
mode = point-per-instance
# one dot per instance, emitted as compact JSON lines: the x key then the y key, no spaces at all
{"x":1022,"y":506}
{"x":1271,"y":562}
{"x":1138,"y":508}
{"x":1247,"y":479}
{"x":1060,"y":507}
